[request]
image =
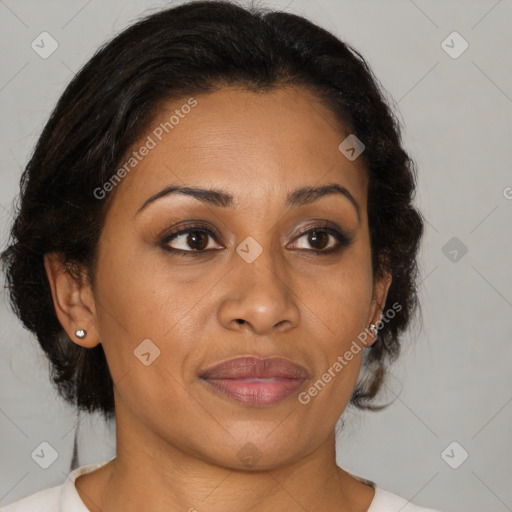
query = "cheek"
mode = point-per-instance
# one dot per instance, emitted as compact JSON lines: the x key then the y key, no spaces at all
{"x":145,"y":307}
{"x":343,"y":307}
{"x":342,"y":302}
{"x":136,"y":295}
{"x":341,"y":349}
{"x":344,"y":297}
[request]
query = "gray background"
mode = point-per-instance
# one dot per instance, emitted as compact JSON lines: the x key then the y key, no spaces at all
{"x":454,"y":381}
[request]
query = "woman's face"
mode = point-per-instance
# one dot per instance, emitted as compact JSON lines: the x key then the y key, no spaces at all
{"x":244,"y":281}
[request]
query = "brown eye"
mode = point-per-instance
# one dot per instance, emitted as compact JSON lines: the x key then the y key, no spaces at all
{"x":197,"y":240}
{"x":190,"y":240}
{"x":322,"y":240}
{"x":318,"y":239}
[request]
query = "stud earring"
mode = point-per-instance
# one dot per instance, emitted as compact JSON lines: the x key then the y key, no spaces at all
{"x":81,"y":333}
{"x":373,"y":329}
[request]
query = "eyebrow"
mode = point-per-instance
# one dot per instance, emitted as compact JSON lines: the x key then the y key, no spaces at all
{"x":300,"y":197}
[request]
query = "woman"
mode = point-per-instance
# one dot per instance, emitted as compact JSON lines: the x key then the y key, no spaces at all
{"x":216,"y":244}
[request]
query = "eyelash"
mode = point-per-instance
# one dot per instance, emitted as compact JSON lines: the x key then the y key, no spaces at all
{"x":342,"y":239}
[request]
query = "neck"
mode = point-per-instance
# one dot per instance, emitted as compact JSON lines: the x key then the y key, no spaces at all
{"x":149,"y":473}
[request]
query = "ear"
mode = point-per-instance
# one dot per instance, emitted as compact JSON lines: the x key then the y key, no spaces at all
{"x":380,"y":293}
{"x":73,"y":300}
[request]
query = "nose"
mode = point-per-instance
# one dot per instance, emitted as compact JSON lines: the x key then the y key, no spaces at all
{"x":259,"y":297}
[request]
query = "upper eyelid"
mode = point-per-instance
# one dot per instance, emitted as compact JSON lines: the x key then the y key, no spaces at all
{"x":211,"y":232}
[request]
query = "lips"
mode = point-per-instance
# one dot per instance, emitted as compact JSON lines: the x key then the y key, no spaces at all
{"x":255,"y":368}
{"x":254,"y":381}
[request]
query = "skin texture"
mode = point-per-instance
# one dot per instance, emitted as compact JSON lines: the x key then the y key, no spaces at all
{"x":177,"y":439}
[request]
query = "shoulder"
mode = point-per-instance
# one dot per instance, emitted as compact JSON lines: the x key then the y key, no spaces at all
{"x":61,"y":498}
{"x":47,"y":500}
{"x":385,"y":501}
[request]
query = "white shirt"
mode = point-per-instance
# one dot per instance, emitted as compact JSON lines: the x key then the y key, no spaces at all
{"x":65,"y":498}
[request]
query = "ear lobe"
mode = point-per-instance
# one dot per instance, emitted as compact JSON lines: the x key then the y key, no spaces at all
{"x":73,"y":301}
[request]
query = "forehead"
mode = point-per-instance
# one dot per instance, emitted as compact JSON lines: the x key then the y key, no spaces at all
{"x":256,"y":145}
